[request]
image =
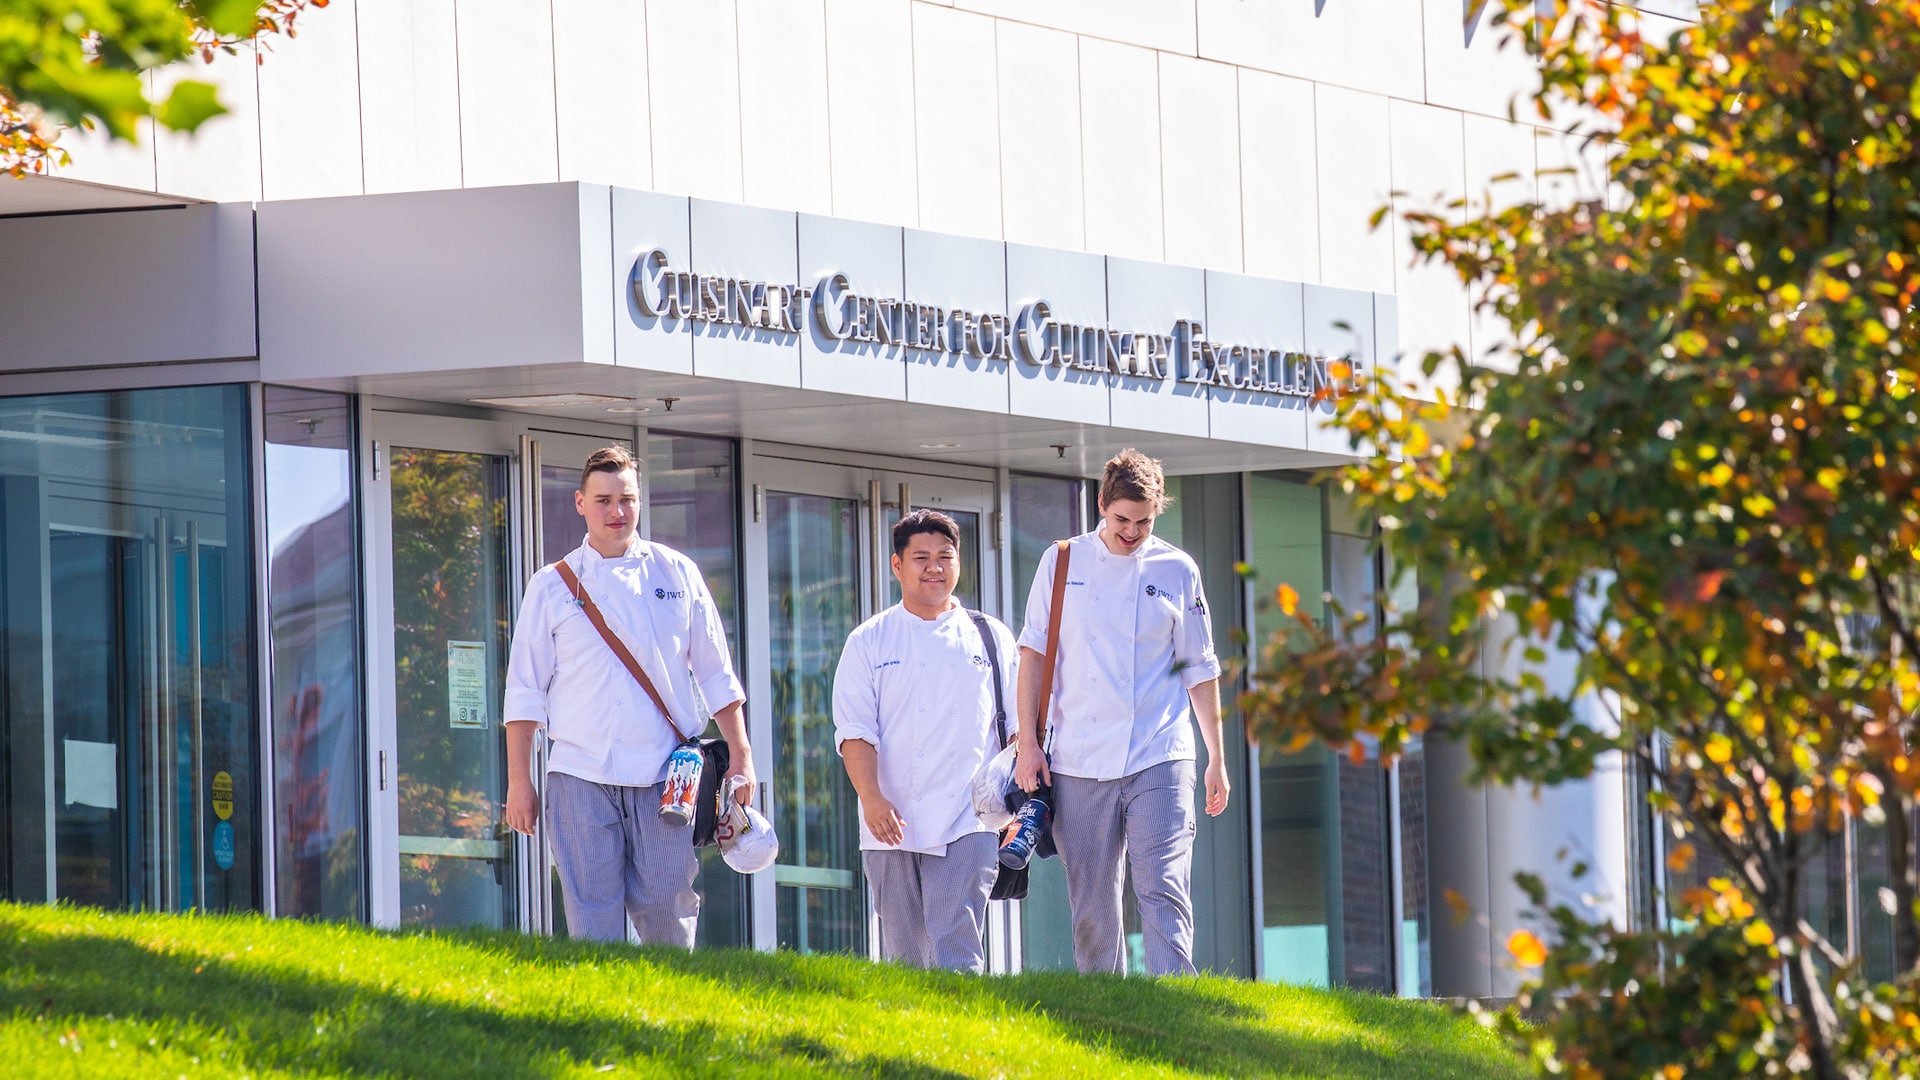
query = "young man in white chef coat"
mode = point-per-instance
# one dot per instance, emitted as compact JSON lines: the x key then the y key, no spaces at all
{"x":1136,"y":669}
{"x":913,"y":715}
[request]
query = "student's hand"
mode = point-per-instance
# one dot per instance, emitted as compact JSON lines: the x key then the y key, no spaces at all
{"x":883,"y":820}
{"x":523,"y":807}
{"x":743,"y":769}
{"x":1030,"y":767}
{"x":1217,"y":787}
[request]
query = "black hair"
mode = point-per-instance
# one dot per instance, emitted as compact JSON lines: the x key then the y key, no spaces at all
{"x":924,"y":521}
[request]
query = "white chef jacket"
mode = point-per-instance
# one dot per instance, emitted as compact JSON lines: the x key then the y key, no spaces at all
{"x":1134,"y":636}
{"x":920,"y":690}
{"x":562,"y":675}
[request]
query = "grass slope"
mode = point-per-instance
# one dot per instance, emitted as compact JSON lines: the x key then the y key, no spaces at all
{"x":86,"y":994}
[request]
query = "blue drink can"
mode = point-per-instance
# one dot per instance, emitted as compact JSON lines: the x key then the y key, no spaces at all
{"x":683,"y":784}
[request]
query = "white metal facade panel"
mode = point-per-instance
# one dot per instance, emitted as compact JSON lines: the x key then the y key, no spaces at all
{"x":1151,"y":297}
{"x":645,"y":221}
{"x":957,"y":127}
{"x":756,"y":245}
{"x":784,"y":145}
{"x":1339,"y":325}
{"x":101,"y":159}
{"x":221,"y":161}
{"x":1074,"y":285}
{"x":870,"y":111}
{"x":409,"y":95}
{"x":310,"y":111}
{"x":1467,"y":67}
{"x":1160,"y":24}
{"x":427,"y":282}
{"x":1279,"y":184}
{"x":869,"y":255}
{"x":1040,"y":137}
{"x":1120,"y":136}
{"x":1497,"y":148}
{"x":956,"y":272}
{"x":693,"y":71}
{"x":1265,"y":314}
{"x":507,"y":126}
{"x":1429,"y":171}
{"x":1356,"y":178}
{"x":1200,"y":155}
{"x":1373,"y":46}
{"x":138,"y":287}
{"x":600,"y":92}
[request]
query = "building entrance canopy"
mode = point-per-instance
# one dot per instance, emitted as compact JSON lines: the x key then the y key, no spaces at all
{"x":577,"y":300}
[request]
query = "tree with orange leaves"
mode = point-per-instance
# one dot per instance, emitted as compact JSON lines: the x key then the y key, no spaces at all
{"x":1696,"y":470}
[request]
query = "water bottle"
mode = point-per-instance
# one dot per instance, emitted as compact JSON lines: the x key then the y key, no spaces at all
{"x":1016,"y":847}
{"x":683,"y":784}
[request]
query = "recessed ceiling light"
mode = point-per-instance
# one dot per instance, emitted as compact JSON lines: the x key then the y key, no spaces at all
{"x":548,"y":401}
{"x":629,"y":408}
{"x":939,"y":446}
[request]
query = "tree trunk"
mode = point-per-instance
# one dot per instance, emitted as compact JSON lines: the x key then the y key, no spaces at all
{"x":1817,"y":1021}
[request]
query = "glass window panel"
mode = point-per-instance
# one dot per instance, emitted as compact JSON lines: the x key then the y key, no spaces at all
{"x":813,"y":586}
{"x":1299,"y":793}
{"x":314,"y":603}
{"x":1044,"y":509}
{"x":128,"y":724}
{"x":691,"y":491}
{"x":562,"y":529}
{"x":450,"y":602}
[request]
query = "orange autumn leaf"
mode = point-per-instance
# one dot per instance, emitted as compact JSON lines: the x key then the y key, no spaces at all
{"x":1680,"y":858}
{"x":1289,"y":599}
{"x":1527,"y":950}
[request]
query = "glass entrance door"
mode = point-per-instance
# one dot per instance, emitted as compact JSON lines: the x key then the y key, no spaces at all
{"x":825,"y":531}
{"x":443,"y":572}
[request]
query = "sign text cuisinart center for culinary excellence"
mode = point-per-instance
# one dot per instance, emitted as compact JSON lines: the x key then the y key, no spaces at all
{"x":1033,"y":336}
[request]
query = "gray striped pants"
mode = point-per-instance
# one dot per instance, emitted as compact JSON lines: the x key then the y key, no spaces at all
{"x":618,"y":860}
{"x":933,"y":908}
{"x":1144,"y":822}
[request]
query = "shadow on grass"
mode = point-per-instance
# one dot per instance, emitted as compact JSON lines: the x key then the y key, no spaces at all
{"x":280,"y":1013}
{"x":304,"y":1024}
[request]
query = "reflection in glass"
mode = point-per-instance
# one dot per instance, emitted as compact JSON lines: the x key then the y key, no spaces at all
{"x":1045,"y":509}
{"x":562,"y":529}
{"x":450,"y":619}
{"x":127,"y":734}
{"x":693,"y":505}
{"x":813,"y":574}
{"x":313,"y":596}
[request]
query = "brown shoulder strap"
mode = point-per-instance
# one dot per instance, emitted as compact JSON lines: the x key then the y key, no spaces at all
{"x":1053,"y":635}
{"x":613,"y":641}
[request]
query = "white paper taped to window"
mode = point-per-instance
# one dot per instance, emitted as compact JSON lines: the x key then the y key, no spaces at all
{"x":93,"y":774}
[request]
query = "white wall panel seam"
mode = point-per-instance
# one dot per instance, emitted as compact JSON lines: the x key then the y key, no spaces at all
{"x":259,"y":151}
{"x":553,"y":72}
{"x":826,"y":86}
{"x":1000,"y":134}
{"x":459,"y":105}
{"x":359,"y":124}
{"x":1080,"y":106}
{"x":740,"y":95}
{"x":1319,"y":197}
{"x":1160,"y":148}
{"x":913,"y":137}
{"x":653,"y":148}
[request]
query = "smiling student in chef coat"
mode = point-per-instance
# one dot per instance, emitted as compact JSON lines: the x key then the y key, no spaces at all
{"x":1136,"y":669}
{"x":913,"y":709}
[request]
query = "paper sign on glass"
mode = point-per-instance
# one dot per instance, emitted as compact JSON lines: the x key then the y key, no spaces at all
{"x":467,"y":684}
{"x":93,"y":774}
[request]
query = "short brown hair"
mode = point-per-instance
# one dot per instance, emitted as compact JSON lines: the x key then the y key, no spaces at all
{"x":924,"y":521}
{"x":1131,"y":474}
{"x":614,"y":459}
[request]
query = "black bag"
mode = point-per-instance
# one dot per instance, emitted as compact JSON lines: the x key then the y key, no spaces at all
{"x":716,"y":758}
{"x":1008,"y":884}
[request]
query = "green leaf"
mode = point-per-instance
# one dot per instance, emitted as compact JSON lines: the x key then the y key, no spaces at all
{"x":228,"y":18}
{"x":190,"y":105}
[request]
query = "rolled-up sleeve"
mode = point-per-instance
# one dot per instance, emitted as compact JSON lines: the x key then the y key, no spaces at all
{"x":856,"y":700}
{"x":1033,"y":633}
{"x":531,"y":657}
{"x":707,"y":655}
{"x":1193,"y":654}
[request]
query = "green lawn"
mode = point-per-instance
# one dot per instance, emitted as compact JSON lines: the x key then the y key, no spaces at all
{"x":87,"y":994}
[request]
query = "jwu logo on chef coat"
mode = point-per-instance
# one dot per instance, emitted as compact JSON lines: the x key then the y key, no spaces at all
{"x":1032,"y":336}
{"x":669,"y":594}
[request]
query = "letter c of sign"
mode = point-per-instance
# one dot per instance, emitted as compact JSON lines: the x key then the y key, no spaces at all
{"x":649,"y":283}
{"x":1029,"y":332}
{"x":830,"y":312}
